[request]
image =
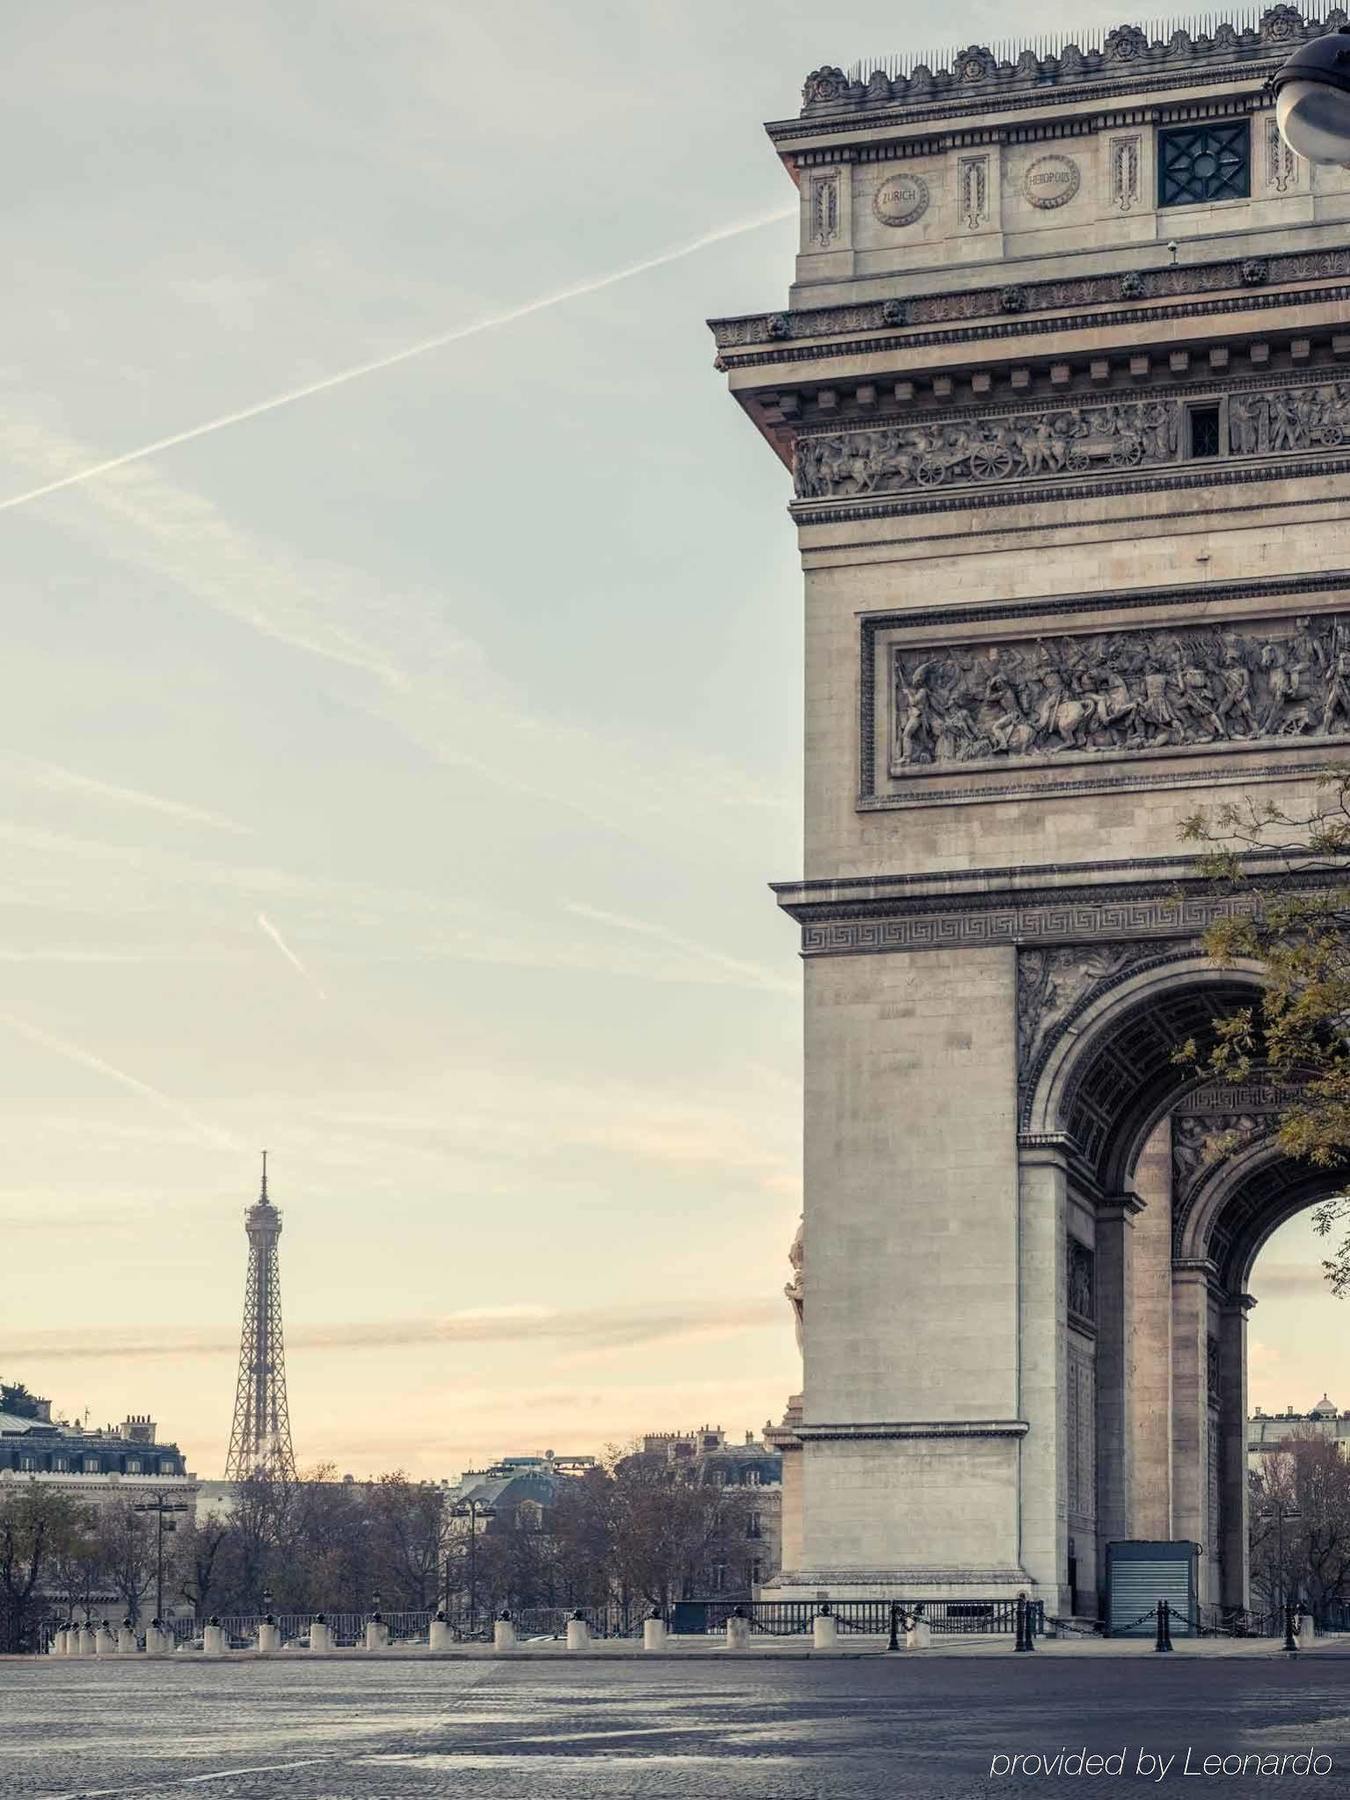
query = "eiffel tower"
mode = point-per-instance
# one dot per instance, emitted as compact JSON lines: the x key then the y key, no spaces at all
{"x":260,"y":1438}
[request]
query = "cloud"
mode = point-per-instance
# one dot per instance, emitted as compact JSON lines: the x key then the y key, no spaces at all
{"x":595,"y":1328}
{"x":1289,"y":1281}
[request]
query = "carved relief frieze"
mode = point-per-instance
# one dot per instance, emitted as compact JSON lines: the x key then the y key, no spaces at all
{"x":1126,"y":156}
{"x":1080,"y":1434}
{"x":1068,"y":440}
{"x":1123,"y":691}
{"x":1281,"y":162}
{"x":1181,"y":282}
{"x":1081,"y":1279}
{"x":824,"y":210}
{"x":1054,"y":984}
{"x":1201,"y":1142}
{"x":972,"y":189}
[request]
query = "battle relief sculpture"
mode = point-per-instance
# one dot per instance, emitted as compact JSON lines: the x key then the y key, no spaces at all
{"x":1121,"y":691}
{"x":1075,"y":440}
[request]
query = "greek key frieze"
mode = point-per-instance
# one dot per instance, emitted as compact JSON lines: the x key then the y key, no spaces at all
{"x":1073,"y":440}
{"x":1119,"y":692}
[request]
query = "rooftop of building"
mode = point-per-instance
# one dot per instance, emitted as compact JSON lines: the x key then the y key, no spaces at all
{"x":30,"y":1415}
{"x":1159,"y":54}
{"x":1325,"y":1409}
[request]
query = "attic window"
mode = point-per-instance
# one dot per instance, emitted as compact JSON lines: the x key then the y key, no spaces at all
{"x":1204,"y":431}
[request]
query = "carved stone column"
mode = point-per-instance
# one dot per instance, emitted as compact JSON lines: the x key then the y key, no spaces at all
{"x":1232,"y":1449}
{"x":1115,"y":1387}
{"x":1150,"y":1340}
{"x":1190,"y":1407}
{"x":1042,"y":1310}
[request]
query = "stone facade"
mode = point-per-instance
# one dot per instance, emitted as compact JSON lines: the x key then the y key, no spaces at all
{"x":95,"y":1468}
{"x":1062,"y":393}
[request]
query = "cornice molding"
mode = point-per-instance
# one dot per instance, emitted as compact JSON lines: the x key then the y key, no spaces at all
{"x":914,"y":1428}
{"x":894,"y":315}
{"x":1180,"y":910}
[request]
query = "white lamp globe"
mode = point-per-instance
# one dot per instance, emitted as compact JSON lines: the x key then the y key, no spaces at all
{"x":1312,"y":98}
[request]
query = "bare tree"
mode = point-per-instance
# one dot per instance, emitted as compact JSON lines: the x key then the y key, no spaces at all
{"x":408,"y":1521}
{"x":1300,"y":1524}
{"x":39,"y":1529}
{"x":125,"y":1547}
{"x":193,"y":1569}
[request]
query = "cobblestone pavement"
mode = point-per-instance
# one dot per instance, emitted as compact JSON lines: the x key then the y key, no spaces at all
{"x":668,"y":1730}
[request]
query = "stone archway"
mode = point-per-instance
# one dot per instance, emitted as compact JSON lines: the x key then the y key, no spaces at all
{"x":1157,"y":1189}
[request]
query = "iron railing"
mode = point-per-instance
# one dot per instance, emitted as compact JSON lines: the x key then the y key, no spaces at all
{"x":768,"y":1618}
{"x":791,"y":1618}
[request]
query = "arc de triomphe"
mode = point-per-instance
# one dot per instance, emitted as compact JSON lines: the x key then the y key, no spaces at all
{"x":1063,"y":381}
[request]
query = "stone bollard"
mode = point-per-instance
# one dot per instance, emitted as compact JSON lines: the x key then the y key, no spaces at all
{"x":918,"y":1633}
{"x":503,"y":1634}
{"x":105,"y":1644}
{"x":578,"y":1632}
{"x":320,"y":1634}
{"x":440,"y":1636}
{"x":738,"y":1630}
{"x":126,"y":1639}
{"x":57,"y":1647}
{"x":824,"y":1631}
{"x":156,"y":1641}
{"x":213,"y":1638}
{"x":377,"y":1634}
{"x":269,"y":1638}
{"x":88,"y":1641}
{"x":1306,"y":1632}
{"x":654,"y":1633}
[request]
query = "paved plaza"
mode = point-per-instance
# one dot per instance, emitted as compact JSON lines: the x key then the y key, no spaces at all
{"x":682,"y":1728}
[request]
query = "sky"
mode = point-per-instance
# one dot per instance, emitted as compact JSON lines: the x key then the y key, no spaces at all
{"x":392,"y":778}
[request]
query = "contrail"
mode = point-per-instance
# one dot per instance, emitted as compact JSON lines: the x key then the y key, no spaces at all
{"x":591,"y":286}
{"x":752,"y":972}
{"x":141,"y":1088}
{"x":266,"y":926}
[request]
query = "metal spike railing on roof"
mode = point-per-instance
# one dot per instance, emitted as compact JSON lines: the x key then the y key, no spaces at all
{"x":1090,"y":41}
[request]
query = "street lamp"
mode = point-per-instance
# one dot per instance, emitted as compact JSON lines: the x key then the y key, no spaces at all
{"x":1282,"y":1511}
{"x":1312,"y":98}
{"x":473,"y":1510}
{"x":160,"y":1504}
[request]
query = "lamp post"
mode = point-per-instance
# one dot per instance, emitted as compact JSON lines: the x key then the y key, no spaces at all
{"x":473,"y":1510}
{"x":160,"y":1505}
{"x":1280,"y":1511}
{"x":1312,"y":98}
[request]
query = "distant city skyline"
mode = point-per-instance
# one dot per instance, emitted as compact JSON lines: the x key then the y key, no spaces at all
{"x":394,"y":778}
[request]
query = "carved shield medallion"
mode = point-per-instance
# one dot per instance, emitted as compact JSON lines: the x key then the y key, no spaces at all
{"x":901,"y":199}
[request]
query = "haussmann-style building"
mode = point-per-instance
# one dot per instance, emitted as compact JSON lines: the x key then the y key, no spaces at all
{"x":1062,"y":386}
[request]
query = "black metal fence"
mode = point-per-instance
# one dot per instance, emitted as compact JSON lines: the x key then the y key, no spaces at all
{"x":791,"y":1618}
{"x":768,"y":1618}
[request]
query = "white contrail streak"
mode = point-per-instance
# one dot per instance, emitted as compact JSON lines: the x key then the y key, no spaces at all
{"x":141,"y":1088}
{"x":591,"y":286}
{"x":266,"y":926}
